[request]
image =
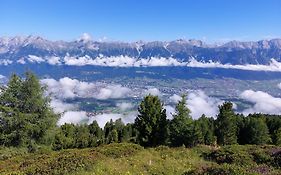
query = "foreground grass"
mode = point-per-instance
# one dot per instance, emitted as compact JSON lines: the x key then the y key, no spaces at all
{"x":125,"y":158}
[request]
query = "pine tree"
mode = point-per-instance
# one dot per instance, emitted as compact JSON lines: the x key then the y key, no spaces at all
{"x":82,"y":136}
{"x":257,"y":131}
{"x":10,"y":95}
{"x":96,"y":134}
{"x":277,"y":134}
{"x":196,"y":136}
{"x":25,"y":111}
{"x":208,"y":130}
{"x":226,"y":126}
{"x":181,"y":125}
{"x":151,"y":122}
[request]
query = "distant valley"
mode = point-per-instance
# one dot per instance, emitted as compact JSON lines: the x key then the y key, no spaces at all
{"x":109,"y":79}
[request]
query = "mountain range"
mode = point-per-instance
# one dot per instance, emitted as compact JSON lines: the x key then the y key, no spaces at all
{"x":15,"y":50}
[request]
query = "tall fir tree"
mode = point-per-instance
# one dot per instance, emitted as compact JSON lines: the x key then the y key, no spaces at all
{"x":257,"y":131}
{"x":25,"y":111}
{"x":151,"y":122}
{"x":208,"y":130}
{"x":226,"y":126}
{"x":181,"y":125}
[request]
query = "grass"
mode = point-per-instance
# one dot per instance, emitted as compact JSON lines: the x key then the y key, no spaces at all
{"x":126,"y":158}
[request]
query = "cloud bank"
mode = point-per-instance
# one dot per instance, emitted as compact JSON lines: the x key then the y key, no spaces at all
{"x":59,"y":106}
{"x":74,"y":117}
{"x":274,"y":66}
{"x":113,"y":91}
{"x":70,"y":88}
{"x":126,"y":61}
{"x":199,"y":103}
{"x":5,"y":62}
{"x":153,"y":91}
{"x":85,"y":37}
{"x":124,"y":106}
{"x":263,"y":102}
{"x":279,"y":85}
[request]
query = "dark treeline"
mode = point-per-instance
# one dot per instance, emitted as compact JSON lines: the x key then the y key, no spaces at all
{"x":27,"y":120}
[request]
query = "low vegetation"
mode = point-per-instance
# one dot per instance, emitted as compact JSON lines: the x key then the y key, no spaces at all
{"x":127,"y":158}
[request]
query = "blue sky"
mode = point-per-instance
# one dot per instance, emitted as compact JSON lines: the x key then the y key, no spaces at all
{"x":131,"y":20}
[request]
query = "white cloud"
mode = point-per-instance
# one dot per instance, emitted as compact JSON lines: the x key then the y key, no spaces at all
{"x":85,"y":37}
{"x":153,"y":91}
{"x":279,"y":85}
{"x":126,"y":61}
{"x":21,"y":61}
{"x":5,"y":62}
{"x":68,"y":88}
{"x":154,"y":61}
{"x":199,"y":103}
{"x":80,"y":61}
{"x":263,"y":102}
{"x":120,"y":61}
{"x":2,"y":76}
{"x":75,"y":117}
{"x":175,"y":98}
{"x":273,"y":66}
{"x":54,"y":60}
{"x":60,"y":106}
{"x":170,"y":110}
{"x":124,"y":106}
{"x":35,"y":59}
{"x":71,"y":88}
{"x":113,"y":91}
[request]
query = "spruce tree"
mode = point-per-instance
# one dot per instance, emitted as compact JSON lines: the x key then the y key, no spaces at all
{"x":151,"y":122}
{"x":226,"y":126}
{"x":208,"y":130}
{"x":25,"y":111}
{"x":257,"y":131}
{"x":181,"y":125}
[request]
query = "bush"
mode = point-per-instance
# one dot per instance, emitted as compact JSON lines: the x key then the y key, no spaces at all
{"x":117,"y":150}
{"x":277,"y":159}
{"x":224,"y":169}
{"x":231,"y":155}
{"x":262,"y":157}
{"x":63,"y":162}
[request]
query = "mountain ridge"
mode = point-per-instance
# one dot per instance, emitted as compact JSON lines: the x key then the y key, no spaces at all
{"x":233,"y":52}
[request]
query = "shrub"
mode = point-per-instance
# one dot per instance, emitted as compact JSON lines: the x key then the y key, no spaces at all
{"x":231,"y":155}
{"x":224,"y":169}
{"x":277,"y":159}
{"x":117,"y":150}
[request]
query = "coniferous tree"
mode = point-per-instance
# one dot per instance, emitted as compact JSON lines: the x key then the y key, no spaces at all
{"x":273,"y":123}
{"x":181,"y":125}
{"x":277,"y":136}
{"x":69,"y":133}
{"x":96,"y":134}
{"x":25,"y":111}
{"x":151,"y":122}
{"x":257,"y":131}
{"x":10,"y":95}
{"x":208,"y":129}
{"x":82,"y":136}
{"x":226,"y":126}
{"x":196,"y":136}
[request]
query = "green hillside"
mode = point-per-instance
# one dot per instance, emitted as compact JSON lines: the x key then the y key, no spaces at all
{"x":125,"y":158}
